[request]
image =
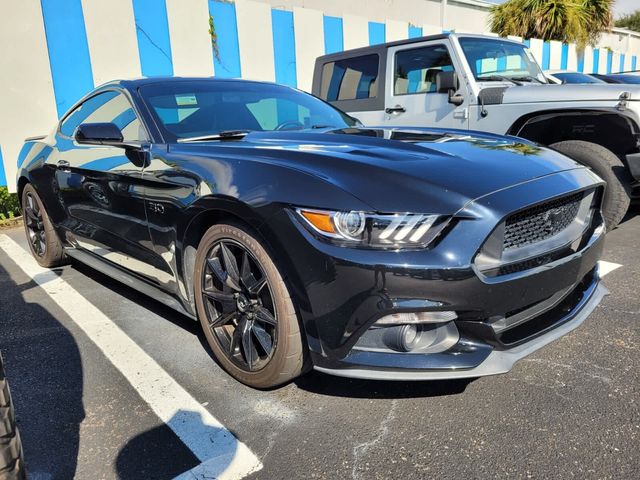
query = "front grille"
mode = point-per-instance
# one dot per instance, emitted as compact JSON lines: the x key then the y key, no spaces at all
{"x":538,"y":223}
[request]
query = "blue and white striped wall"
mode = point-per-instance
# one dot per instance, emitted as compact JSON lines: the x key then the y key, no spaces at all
{"x":54,"y":51}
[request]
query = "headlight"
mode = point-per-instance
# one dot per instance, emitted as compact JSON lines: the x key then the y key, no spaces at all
{"x":355,"y":228}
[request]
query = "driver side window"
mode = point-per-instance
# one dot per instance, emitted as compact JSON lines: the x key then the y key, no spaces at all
{"x":416,"y":69}
{"x":111,"y":107}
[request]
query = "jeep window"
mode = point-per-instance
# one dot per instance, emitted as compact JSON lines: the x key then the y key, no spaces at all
{"x":494,"y":59}
{"x":205,"y":107}
{"x":350,"y":78}
{"x":416,"y":69}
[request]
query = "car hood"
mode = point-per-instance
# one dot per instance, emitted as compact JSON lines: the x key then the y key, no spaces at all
{"x":398,"y":169}
{"x":536,"y":93}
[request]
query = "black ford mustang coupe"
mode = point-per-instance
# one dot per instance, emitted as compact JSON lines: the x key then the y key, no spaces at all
{"x":300,"y":238}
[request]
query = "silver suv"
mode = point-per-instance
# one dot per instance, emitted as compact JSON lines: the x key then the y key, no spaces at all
{"x":476,"y":82}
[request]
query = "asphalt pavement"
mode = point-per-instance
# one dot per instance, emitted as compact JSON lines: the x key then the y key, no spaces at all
{"x":571,"y":410}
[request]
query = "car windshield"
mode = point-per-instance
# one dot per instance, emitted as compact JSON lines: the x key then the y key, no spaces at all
{"x":495,"y":60}
{"x":576,"y":77}
{"x":634,"y":79}
{"x":202,"y":108}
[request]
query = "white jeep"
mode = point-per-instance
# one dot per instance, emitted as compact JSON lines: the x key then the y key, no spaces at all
{"x":476,"y":82}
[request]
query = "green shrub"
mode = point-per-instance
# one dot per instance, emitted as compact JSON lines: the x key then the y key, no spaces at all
{"x":9,"y":205}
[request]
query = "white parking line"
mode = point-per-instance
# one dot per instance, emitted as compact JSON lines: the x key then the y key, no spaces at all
{"x":222,"y":455}
{"x":607,"y":267}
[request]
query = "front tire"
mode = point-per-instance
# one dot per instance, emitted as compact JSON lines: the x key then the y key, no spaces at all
{"x":43,"y":240}
{"x":608,"y":167}
{"x":245,"y":308}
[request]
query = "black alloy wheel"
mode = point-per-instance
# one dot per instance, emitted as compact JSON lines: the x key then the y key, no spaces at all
{"x":35,"y":225}
{"x":44,"y":243}
{"x":240,"y":308}
{"x":245,"y":308}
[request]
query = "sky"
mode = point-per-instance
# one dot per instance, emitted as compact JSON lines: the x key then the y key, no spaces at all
{"x":620,"y":7}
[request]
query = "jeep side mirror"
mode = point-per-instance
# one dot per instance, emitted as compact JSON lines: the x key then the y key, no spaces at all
{"x":447,"y":82}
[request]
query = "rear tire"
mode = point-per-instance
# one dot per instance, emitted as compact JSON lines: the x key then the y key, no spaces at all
{"x":238,"y":310}
{"x":608,"y":167}
{"x":44,"y":243}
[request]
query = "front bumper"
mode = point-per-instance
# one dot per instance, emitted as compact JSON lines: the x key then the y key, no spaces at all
{"x":341,"y":292}
{"x":497,"y":362}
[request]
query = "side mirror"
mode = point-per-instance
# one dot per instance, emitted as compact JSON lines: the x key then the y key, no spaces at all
{"x":99,"y":134}
{"x":447,"y":82}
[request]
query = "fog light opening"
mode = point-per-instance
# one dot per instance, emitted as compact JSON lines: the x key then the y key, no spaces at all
{"x":411,"y":338}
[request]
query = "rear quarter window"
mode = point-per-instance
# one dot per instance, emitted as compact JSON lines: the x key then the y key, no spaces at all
{"x":353,"y":83}
{"x":350,"y":79}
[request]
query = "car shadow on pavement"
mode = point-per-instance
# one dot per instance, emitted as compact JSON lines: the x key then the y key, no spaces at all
{"x":44,"y":368}
{"x":154,"y":306}
{"x":323,"y":384}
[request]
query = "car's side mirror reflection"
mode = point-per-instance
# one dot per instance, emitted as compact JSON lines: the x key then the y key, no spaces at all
{"x":447,"y":82}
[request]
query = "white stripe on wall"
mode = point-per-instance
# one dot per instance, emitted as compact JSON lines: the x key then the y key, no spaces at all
{"x":615,"y":64}
{"x":190,"y":40}
{"x":28,"y":105}
{"x":255,"y":39}
{"x":356,"y":31}
{"x":428,"y":29}
{"x":602,"y":61}
{"x":396,"y":30}
{"x":536,"y":46}
{"x":555,"y":52}
{"x":588,"y":59}
{"x":111,"y":35}
{"x":309,"y":45}
{"x":572,"y":58}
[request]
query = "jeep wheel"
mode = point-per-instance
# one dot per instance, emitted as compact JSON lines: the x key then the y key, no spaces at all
{"x":608,"y":167}
{"x":11,"y":460}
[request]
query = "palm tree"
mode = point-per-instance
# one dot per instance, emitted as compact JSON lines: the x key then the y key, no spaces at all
{"x":579,"y":21}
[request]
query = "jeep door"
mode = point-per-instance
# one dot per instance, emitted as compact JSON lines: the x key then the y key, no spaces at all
{"x":411,"y":96}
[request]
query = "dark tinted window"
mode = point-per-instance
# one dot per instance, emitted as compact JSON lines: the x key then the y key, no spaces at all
{"x":635,"y":79}
{"x":207,"y":107}
{"x":350,"y":78}
{"x":416,"y":69}
{"x":576,"y":77}
{"x":110,"y":106}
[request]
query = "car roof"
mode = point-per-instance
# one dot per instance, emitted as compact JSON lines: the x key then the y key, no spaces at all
{"x":409,"y":41}
{"x":139,"y":82}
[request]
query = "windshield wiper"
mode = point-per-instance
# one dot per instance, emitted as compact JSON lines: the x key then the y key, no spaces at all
{"x":499,"y":78}
{"x":527,"y":78}
{"x":223,"y":135}
{"x":322,"y":126}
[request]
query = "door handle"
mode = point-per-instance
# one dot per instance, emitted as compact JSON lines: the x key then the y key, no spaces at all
{"x":64,"y":165}
{"x":396,"y":109}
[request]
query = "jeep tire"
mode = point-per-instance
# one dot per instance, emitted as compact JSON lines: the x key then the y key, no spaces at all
{"x":608,"y":167}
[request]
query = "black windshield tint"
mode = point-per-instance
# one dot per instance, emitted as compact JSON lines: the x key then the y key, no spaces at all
{"x":576,"y":77}
{"x":207,"y":107}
